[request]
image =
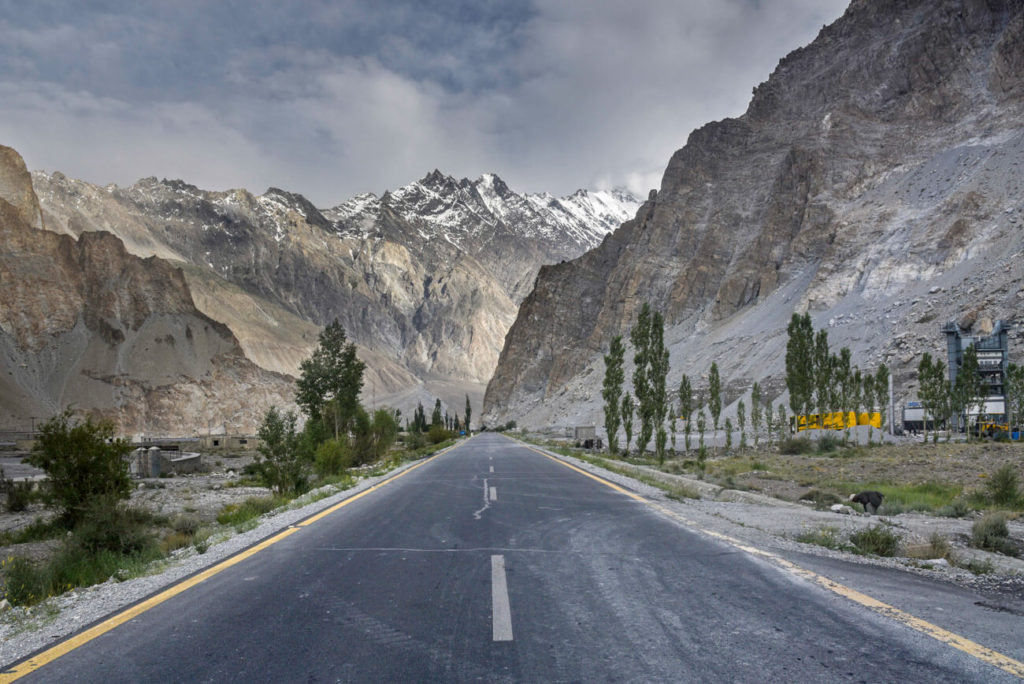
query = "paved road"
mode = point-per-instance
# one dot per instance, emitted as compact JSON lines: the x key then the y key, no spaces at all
{"x":493,"y":562}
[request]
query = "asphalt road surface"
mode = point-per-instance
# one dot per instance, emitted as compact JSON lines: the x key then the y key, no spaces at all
{"x":494,"y":562}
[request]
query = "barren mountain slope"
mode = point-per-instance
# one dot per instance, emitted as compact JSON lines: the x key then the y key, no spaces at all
{"x":84,"y":323}
{"x":875,"y":180}
{"x":425,"y":279}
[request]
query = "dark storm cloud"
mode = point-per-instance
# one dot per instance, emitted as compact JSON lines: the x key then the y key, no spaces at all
{"x":334,"y":98}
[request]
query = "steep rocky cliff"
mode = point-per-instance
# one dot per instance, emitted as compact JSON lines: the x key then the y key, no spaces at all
{"x":874,"y":180}
{"x":425,"y":279}
{"x":84,"y":323}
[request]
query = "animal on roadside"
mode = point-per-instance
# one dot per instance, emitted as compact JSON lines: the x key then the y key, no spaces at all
{"x":869,"y":499}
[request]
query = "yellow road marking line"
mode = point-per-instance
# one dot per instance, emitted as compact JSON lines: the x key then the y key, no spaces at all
{"x":972,"y":648}
{"x":18,"y":671}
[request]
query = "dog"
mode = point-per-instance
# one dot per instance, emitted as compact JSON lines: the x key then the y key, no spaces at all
{"x":870,"y":500}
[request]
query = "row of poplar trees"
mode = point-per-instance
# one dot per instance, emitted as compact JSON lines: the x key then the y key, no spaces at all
{"x":818,"y":382}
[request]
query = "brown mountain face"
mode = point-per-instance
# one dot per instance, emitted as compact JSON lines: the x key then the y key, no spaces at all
{"x":875,"y":179}
{"x":84,"y":323}
{"x":425,"y":279}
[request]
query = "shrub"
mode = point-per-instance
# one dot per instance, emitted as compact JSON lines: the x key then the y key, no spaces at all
{"x":251,"y":508}
{"x":990,"y":533}
{"x":794,"y":446}
{"x":957,"y":509}
{"x":281,"y":464}
{"x":333,"y":457}
{"x":939,"y":546}
{"x":826,"y":536}
{"x":1004,"y":486}
{"x":84,"y":463}
{"x":18,"y":494}
{"x":438,"y":434}
{"x":828,"y":443}
{"x":186,"y":524}
{"x":878,"y":540}
{"x":111,"y":527}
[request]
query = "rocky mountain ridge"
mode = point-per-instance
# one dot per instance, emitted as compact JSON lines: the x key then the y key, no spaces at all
{"x":424,"y":281}
{"x":85,"y":324}
{"x":874,"y":180}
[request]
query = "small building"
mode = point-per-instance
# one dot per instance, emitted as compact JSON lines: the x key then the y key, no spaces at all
{"x":229,"y":442}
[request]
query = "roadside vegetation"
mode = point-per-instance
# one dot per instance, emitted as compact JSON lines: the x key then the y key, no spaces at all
{"x":94,"y":533}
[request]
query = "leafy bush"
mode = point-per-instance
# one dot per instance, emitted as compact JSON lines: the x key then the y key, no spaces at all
{"x":1004,"y":487}
{"x":333,"y":457}
{"x":186,"y":524}
{"x":828,"y":443}
{"x":438,"y":434}
{"x":795,"y":446}
{"x":251,"y":508}
{"x":990,"y":533}
{"x":939,"y":546}
{"x":878,"y":540}
{"x":281,"y":465}
{"x":18,"y":495}
{"x":957,"y":509}
{"x":108,"y":526}
{"x":84,"y":464}
{"x":826,"y":535}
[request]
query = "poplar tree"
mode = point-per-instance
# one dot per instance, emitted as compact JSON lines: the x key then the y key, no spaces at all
{"x":612,"y":391}
{"x":755,"y":411}
{"x":882,"y":393}
{"x":715,"y":397}
{"x":469,"y":413}
{"x":768,"y":424}
{"x":686,"y":407}
{"x":640,"y":336}
{"x":659,"y":360}
{"x":822,"y":374}
{"x":626,"y":412}
{"x":800,"y":363}
{"x":702,"y":453}
{"x":741,"y":418}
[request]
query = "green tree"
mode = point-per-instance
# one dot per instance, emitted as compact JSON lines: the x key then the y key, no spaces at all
{"x":469,"y":415}
{"x":640,"y":336}
{"x":741,"y":418}
{"x":783,"y":423}
{"x":715,"y":397}
{"x":85,"y":465}
{"x":1013,"y":388}
{"x":822,"y":373}
{"x":437,"y":418}
{"x":933,"y":389}
{"x":755,"y":411}
{"x":769,"y":426}
{"x":882,"y":392}
{"x":612,"y":391}
{"x":626,"y":412}
{"x":728,"y":434}
{"x":800,"y":364}
{"x":686,"y":408}
{"x":280,"y":464}
{"x":702,"y":452}
{"x":333,"y":372}
{"x":969,"y":391}
{"x":868,"y":395}
{"x":842,"y":370}
{"x":659,"y":365}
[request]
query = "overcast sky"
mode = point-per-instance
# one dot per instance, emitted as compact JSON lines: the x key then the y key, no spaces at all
{"x":330,"y":99}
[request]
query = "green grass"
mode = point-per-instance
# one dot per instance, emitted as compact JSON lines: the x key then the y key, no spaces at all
{"x":250,"y":509}
{"x":926,"y":496}
{"x":37,"y":530}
